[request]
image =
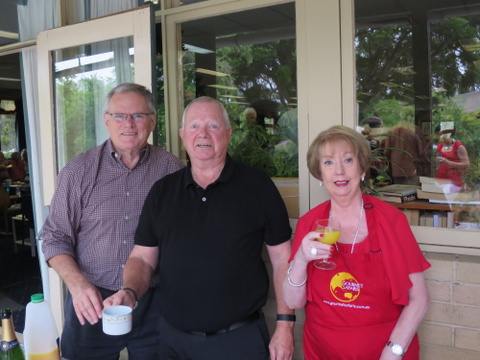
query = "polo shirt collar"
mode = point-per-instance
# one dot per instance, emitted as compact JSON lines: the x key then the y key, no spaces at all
{"x":225,"y":175}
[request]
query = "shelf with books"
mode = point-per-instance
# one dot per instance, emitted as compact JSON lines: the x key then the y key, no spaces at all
{"x":450,"y":215}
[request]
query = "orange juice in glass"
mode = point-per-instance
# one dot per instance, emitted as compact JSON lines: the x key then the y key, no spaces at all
{"x":331,"y":233}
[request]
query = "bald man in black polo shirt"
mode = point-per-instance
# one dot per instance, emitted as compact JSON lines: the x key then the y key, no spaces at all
{"x":205,"y":228}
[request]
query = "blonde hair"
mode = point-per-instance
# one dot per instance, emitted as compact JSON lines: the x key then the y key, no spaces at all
{"x":336,"y":134}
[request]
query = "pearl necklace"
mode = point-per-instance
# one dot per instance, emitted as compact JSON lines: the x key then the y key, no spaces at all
{"x":356,"y":231}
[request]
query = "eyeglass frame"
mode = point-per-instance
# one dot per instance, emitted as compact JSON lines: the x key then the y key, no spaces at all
{"x":126,"y":115}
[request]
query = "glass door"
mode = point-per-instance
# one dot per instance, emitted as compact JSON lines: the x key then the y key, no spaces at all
{"x":77,"y":67}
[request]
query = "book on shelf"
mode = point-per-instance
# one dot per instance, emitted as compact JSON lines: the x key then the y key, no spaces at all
{"x":427,"y":180}
{"x":399,"y":190}
{"x":435,"y":187}
{"x":463,"y":196}
{"x":413,"y":216}
{"x":397,"y":199}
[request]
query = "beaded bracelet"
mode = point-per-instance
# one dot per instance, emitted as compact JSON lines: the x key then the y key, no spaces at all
{"x":290,"y":280}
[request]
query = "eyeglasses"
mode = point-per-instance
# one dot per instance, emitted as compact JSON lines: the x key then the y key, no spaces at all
{"x":122,"y":117}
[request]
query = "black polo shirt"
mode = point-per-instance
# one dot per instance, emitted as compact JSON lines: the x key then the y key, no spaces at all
{"x":211,"y":269}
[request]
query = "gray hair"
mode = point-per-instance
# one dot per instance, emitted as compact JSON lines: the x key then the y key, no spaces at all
{"x":208,"y":99}
{"x":135,"y":88}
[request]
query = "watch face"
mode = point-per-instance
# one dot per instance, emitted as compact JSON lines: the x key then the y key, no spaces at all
{"x":397,"y":350}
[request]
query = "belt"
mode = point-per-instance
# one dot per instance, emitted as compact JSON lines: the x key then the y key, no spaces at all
{"x":248,"y":320}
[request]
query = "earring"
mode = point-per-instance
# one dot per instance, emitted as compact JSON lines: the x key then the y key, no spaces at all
{"x":363,"y":178}
{"x":320,"y":183}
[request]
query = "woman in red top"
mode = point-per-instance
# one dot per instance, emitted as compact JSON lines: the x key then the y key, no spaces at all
{"x":368,"y":307}
{"x":453,"y":160}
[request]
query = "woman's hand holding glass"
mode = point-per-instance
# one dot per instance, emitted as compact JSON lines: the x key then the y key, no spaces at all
{"x":313,"y":249}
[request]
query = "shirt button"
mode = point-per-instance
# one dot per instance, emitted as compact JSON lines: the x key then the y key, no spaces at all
{"x":124,"y":241}
{"x":128,"y":193}
{"x":204,"y":198}
{"x":123,"y":266}
{"x":126,"y":217}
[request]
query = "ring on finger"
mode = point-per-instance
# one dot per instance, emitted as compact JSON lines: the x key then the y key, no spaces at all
{"x":314,"y":251}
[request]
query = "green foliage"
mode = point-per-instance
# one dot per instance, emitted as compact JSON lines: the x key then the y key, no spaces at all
{"x":261,"y":71}
{"x":7,"y":134}
{"x":453,"y":55}
{"x":392,"y":111}
{"x":252,"y":145}
{"x":77,"y":114}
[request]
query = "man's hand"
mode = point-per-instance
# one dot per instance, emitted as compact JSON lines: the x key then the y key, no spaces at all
{"x":282,"y":342}
{"x":87,"y":302}
{"x":121,"y":297}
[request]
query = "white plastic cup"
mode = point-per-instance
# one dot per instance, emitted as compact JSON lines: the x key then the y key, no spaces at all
{"x":117,"y":320}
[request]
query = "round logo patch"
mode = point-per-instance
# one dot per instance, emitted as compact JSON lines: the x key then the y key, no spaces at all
{"x":345,"y":287}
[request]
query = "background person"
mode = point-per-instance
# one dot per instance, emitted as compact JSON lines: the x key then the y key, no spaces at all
{"x":88,"y":234}
{"x":377,"y":293}
{"x":452,"y":158}
{"x":205,"y":226}
{"x":17,"y":170}
{"x":404,"y":147}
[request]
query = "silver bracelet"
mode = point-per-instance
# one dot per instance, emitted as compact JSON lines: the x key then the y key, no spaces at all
{"x":290,"y":280}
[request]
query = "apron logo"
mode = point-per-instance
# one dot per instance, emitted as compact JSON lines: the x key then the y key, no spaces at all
{"x":344,"y":287}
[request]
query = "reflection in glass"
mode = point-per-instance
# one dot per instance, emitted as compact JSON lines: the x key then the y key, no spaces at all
{"x":83,"y":77}
{"x":249,"y":64}
{"x":418,"y":94}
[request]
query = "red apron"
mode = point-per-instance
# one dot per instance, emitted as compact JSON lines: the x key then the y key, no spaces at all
{"x":349,"y":313}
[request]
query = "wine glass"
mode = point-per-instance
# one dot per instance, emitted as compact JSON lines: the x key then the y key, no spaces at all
{"x":331,"y":233}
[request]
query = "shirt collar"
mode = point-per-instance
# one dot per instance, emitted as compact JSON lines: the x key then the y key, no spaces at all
{"x":225,"y":175}
{"x":143,"y":155}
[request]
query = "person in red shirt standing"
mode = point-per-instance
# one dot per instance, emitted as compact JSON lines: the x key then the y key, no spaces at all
{"x":453,"y":160}
{"x":370,"y":305}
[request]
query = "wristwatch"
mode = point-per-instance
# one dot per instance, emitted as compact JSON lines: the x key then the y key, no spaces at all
{"x":396,"y":348}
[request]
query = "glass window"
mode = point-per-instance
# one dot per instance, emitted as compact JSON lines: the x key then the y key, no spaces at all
{"x":83,"y":77}
{"x":418,"y":94}
{"x":249,"y":63}
{"x":8,"y":133}
{"x":247,"y":60}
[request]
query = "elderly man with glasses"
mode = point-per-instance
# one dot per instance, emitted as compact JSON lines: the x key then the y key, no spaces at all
{"x":88,"y":234}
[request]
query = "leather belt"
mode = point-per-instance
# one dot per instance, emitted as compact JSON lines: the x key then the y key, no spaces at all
{"x":248,"y":320}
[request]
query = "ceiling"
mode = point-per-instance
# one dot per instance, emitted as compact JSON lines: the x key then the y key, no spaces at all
{"x":10,"y":85}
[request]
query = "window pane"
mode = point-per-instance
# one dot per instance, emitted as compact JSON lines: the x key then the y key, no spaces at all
{"x":83,"y":77}
{"x":247,"y":60}
{"x":418,"y":98}
{"x":250,"y":65}
{"x":8,"y":134}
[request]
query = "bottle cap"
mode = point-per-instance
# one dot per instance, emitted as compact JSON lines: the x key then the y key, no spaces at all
{"x":36,"y":298}
{"x":6,"y":313}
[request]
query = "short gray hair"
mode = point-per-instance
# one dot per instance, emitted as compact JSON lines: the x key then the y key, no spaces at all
{"x":208,"y":99}
{"x":135,"y":88}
